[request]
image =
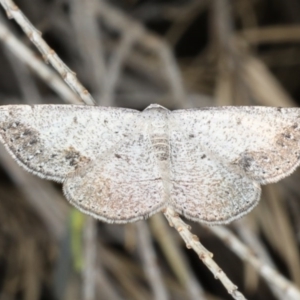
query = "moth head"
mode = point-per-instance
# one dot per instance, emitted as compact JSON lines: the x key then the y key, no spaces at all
{"x":155,"y":107}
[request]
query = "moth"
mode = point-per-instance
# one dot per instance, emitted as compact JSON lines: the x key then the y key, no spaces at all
{"x":122,"y":165}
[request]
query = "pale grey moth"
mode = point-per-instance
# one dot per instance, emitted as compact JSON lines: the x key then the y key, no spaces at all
{"x":121,"y":165}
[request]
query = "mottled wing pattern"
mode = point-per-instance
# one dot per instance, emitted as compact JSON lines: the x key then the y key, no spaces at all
{"x":53,"y":140}
{"x":220,"y":156}
{"x":123,"y":187}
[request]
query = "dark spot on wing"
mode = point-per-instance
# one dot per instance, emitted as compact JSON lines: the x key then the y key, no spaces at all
{"x":246,"y":161}
{"x":28,"y":147}
{"x":25,"y":143}
{"x":287,"y":135}
{"x":74,"y":157}
{"x":33,"y":141}
{"x":28,"y":132}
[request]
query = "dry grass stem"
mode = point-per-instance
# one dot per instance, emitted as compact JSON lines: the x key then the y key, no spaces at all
{"x":149,"y":260}
{"x":274,"y":34}
{"x":124,"y":274}
{"x":264,"y":87}
{"x":49,"y":54}
{"x":269,"y":274}
{"x":149,"y":42}
{"x":249,"y":236}
{"x":28,"y":57}
{"x":90,"y":45}
{"x":116,"y":62}
{"x":21,"y":70}
{"x":42,"y":196}
{"x":90,"y":259}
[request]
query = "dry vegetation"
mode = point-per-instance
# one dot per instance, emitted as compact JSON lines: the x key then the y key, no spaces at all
{"x":132,"y":53}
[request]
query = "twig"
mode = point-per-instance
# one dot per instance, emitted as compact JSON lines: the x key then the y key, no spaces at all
{"x":89,"y":41}
{"x":116,"y":61}
{"x":230,"y":89}
{"x":90,"y":259}
{"x":27,"y":85}
{"x":26,"y":56}
{"x":183,"y":17}
{"x":150,"y":42}
{"x":248,"y":234}
{"x":246,"y":12}
{"x":263,"y":269}
{"x":283,"y":234}
{"x":263,"y":85}
{"x":176,"y":258}
{"x":49,"y":54}
{"x":173,"y":74}
{"x":108,"y":290}
{"x":270,"y":35}
{"x":149,"y":259}
{"x":123,"y":274}
{"x":192,"y":241}
{"x":53,"y":209}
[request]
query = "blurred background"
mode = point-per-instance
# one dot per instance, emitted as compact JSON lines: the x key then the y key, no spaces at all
{"x":131,"y":53}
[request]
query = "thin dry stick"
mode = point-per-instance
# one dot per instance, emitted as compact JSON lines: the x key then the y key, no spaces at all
{"x":90,"y":259}
{"x":118,"y":266}
{"x":176,"y":257}
{"x":117,"y":60}
{"x":182,"y":18}
{"x":53,"y":209}
{"x":252,"y":73}
{"x":250,"y":237}
{"x":246,"y":12}
{"x":263,"y":269}
{"x":149,"y":259}
{"x":108,"y":290}
{"x":230,"y":88}
{"x":25,"y":80}
{"x":118,"y":21}
{"x":274,"y":34}
{"x":283,"y":235}
{"x":192,"y":241}
{"x":49,"y":54}
{"x":263,"y":85}
{"x":173,"y":74}
{"x":28,"y":57}
{"x":89,"y":41}
{"x":27,"y":84}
